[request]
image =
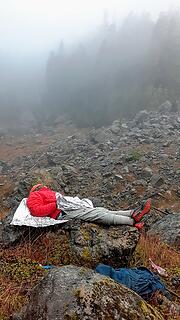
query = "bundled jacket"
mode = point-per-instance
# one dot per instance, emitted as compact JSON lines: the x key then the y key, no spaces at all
{"x":140,"y":280}
{"x":42,"y":203}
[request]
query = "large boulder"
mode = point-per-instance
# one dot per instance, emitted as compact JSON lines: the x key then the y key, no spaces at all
{"x":81,"y":242}
{"x":91,"y":243}
{"x":168,"y":229}
{"x":78,"y":293}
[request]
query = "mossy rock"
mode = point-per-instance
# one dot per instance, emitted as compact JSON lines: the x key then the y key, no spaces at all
{"x":91,"y":243}
{"x":78,"y":293}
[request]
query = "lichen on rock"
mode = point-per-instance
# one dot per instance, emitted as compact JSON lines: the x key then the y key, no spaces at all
{"x":78,"y":293}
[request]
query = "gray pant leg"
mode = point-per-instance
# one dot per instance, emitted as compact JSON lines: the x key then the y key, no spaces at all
{"x":127,"y":213}
{"x":100,"y":215}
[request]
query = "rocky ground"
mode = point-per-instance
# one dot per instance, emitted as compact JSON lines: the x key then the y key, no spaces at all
{"x":116,"y":167}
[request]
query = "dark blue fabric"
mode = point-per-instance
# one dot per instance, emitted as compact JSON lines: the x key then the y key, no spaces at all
{"x":141,"y":280}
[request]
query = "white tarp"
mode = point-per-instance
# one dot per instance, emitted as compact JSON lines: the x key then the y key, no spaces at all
{"x":22,"y":217}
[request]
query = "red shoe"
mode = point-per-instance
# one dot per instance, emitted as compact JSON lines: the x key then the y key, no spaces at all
{"x":138,"y":214}
{"x":139,"y":225}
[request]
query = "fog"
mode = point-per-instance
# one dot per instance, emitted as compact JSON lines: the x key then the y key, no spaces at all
{"x":32,"y":27}
{"x":49,"y":49}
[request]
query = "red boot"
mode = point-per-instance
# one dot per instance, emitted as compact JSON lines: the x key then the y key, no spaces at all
{"x":139,"y":225}
{"x":138,"y":214}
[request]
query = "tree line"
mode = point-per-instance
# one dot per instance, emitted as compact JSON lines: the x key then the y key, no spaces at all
{"x":119,"y":70}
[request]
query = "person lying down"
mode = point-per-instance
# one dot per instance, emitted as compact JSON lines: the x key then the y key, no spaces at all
{"x":44,"y":202}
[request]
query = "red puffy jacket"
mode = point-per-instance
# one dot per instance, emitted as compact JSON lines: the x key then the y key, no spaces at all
{"x":42,"y":203}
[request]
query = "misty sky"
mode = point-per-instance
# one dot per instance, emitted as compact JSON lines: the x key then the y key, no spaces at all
{"x":30,"y":27}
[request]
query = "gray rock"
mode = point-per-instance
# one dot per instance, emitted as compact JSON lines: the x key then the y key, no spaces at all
{"x":92,"y":243}
{"x":141,"y":117}
{"x":126,"y":169}
{"x":168,"y":229}
{"x":157,"y":180}
{"x":70,"y":169}
{"x":140,"y":183}
{"x":79,"y":293}
{"x":118,"y":177}
{"x":125,"y":126}
{"x":147,"y":172}
{"x":115,"y":128}
{"x":10,"y":234}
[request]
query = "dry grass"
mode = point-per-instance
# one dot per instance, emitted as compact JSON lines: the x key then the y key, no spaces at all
{"x":16,"y":280}
{"x":21,"y":270}
{"x":159,"y":252}
{"x":169,"y":259}
{"x":45,"y":248}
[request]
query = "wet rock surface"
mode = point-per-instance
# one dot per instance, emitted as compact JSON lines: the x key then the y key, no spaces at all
{"x":79,"y":293}
{"x":10,"y":234}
